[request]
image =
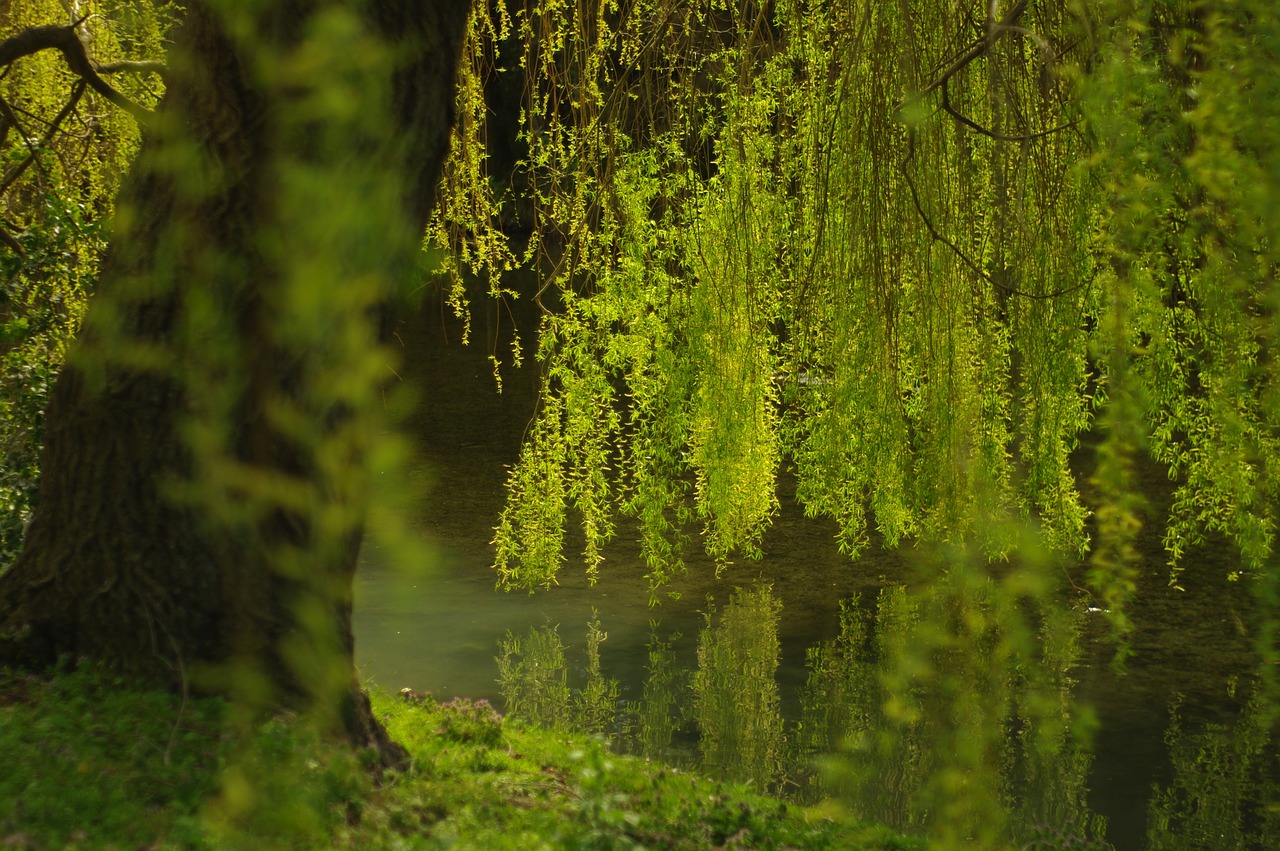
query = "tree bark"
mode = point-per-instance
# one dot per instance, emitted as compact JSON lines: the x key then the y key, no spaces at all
{"x":121,"y":564}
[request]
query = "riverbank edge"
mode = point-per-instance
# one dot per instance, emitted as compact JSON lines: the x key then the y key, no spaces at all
{"x":91,"y":762}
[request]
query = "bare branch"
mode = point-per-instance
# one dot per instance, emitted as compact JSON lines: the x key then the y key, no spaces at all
{"x":65,"y":41}
{"x":31,"y":40}
{"x":139,"y":65}
{"x":10,"y":242}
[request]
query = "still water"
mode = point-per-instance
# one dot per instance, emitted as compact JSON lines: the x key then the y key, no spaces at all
{"x":1179,"y":758}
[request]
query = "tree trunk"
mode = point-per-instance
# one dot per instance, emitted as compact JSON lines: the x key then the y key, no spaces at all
{"x":149,"y":550}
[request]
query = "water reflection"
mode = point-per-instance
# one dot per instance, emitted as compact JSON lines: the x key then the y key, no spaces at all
{"x":1225,"y":791}
{"x":534,"y":677}
{"x":947,"y":709}
{"x":926,"y":710}
{"x":735,"y":698}
{"x":959,"y":721}
{"x":596,"y":706}
{"x":660,"y":711}
{"x":837,"y":624}
{"x":944,"y":710}
{"x":533,"y":674}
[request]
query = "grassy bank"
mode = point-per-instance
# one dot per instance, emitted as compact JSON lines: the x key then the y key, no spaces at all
{"x":89,"y":763}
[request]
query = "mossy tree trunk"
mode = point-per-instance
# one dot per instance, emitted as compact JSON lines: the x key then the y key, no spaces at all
{"x":185,"y":530}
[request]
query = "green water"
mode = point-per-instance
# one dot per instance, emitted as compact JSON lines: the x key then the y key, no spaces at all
{"x":757,"y":686}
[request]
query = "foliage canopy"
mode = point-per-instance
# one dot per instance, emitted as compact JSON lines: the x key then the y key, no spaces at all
{"x":916,"y":253}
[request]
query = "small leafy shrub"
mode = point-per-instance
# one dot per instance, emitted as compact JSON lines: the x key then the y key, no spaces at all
{"x":470,"y":721}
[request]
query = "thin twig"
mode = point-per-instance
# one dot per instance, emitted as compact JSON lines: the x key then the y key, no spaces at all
{"x":76,"y":92}
{"x":955,"y":249}
{"x":999,"y":137}
{"x":31,"y":146}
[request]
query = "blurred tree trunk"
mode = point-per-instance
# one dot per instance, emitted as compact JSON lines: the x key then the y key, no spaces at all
{"x":121,"y":563}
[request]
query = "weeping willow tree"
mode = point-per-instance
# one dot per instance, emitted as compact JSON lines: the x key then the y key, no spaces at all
{"x":916,"y":252}
{"x":960,"y":267}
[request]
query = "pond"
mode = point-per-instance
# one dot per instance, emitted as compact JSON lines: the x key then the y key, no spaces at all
{"x":756,"y":683}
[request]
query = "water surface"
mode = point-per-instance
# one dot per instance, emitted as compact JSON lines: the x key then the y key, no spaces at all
{"x":440,"y":632}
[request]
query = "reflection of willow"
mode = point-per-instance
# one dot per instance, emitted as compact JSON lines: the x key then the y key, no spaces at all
{"x":735,"y":690}
{"x":534,"y":676}
{"x":1225,"y":791}
{"x":950,"y":708}
{"x":658,"y":714}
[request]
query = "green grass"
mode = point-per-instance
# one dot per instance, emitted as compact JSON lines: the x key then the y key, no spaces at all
{"x":87,"y":762}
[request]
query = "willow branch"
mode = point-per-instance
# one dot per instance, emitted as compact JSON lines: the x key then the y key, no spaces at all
{"x":977,"y":48}
{"x":65,"y":41}
{"x":999,"y":137}
{"x":938,"y":236}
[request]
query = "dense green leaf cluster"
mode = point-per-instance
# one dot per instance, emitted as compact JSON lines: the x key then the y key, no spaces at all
{"x":773,"y":245}
{"x":918,"y":253}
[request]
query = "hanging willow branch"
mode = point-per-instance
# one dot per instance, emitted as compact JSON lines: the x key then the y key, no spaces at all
{"x":976,"y":49}
{"x":969,"y":263}
{"x":1000,"y":137}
